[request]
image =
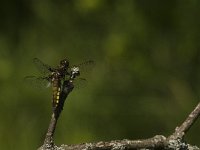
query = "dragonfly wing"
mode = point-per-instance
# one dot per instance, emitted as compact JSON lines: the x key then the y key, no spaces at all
{"x":42,"y":67}
{"x":79,"y":83}
{"x":86,"y":66}
{"x":37,"y":82}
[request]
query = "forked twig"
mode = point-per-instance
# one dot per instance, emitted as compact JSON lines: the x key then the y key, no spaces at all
{"x":174,"y":141}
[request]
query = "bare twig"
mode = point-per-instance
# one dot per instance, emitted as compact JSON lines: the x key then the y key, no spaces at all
{"x":48,"y":142}
{"x":186,"y":125}
{"x":151,"y":143}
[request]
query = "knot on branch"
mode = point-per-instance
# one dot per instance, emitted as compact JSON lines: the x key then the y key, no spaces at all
{"x":178,"y":144}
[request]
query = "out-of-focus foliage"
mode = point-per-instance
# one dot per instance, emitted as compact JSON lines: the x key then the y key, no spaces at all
{"x":145,"y":82}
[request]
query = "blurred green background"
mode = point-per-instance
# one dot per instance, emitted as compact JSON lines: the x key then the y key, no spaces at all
{"x":145,"y":82}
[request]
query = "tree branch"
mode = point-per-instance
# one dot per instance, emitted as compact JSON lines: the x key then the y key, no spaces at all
{"x":174,"y":141}
{"x":186,"y":125}
{"x":151,"y":143}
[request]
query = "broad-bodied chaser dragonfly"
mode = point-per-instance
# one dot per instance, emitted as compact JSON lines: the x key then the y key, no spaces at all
{"x":55,"y":76}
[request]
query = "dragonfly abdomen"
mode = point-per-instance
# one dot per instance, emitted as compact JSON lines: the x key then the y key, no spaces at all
{"x":56,"y":86}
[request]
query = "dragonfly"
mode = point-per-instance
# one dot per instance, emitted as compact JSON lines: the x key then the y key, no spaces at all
{"x":55,"y":76}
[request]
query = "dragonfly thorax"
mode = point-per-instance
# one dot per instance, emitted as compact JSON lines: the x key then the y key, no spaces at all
{"x":56,"y":75}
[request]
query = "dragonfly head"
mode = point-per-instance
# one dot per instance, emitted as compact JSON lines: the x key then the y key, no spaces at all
{"x":64,"y":63}
{"x":74,"y":72}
